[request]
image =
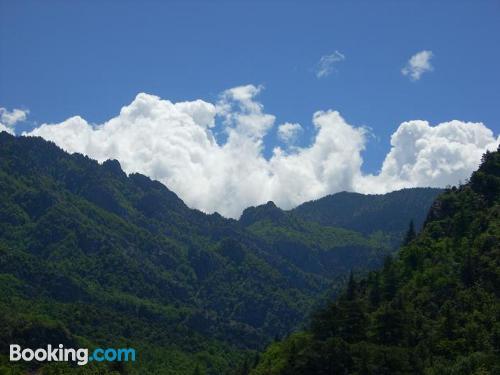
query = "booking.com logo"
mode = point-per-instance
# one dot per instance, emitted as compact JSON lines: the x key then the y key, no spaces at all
{"x":62,"y":354}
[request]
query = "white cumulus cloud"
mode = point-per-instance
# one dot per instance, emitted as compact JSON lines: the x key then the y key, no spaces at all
{"x":288,"y":132}
{"x":418,"y":64}
{"x":327,"y":63}
{"x":425,"y":155}
{"x":175,"y":144}
{"x":8,"y":119}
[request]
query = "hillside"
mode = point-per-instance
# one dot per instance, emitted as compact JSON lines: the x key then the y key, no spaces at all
{"x":362,"y":213}
{"x":91,"y":256}
{"x":433,"y":309}
{"x":361,"y":228}
{"x":322,"y":250}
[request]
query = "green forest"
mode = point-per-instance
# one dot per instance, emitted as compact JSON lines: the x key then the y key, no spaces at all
{"x":432,"y":309}
{"x":92,"y":257}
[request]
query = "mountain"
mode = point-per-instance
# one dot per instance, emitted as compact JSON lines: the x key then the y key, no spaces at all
{"x":367,"y":214}
{"x":360,"y":229}
{"x":432,"y":309}
{"x":367,"y":220}
{"x":363,"y":213}
{"x":90,"y":256}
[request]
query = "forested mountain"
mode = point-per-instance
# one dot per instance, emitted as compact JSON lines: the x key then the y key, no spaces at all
{"x":363,"y":213}
{"x":432,"y":309}
{"x":367,"y":214}
{"x":366,"y":220}
{"x":92,"y":257}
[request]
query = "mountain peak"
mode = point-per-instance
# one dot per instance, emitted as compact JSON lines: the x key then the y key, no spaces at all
{"x":113,"y":166}
{"x":268,"y":211}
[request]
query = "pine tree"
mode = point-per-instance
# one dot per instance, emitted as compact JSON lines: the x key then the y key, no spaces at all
{"x":351,"y":287}
{"x":245,"y":368}
{"x":197,"y":370}
{"x":389,"y":279}
{"x":410,"y":234}
{"x":374,"y":295}
{"x":468,"y":270}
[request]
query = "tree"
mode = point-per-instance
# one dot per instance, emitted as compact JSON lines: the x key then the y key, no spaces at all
{"x":374,"y":295}
{"x":197,"y":370}
{"x":468,"y":270}
{"x":410,"y":234}
{"x":351,"y":288}
{"x":389,"y":279}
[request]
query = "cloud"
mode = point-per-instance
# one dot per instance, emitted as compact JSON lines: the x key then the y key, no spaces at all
{"x":418,"y":65}
{"x":425,"y":155}
{"x":4,"y":128}
{"x":288,"y":132}
{"x":242,"y":114}
{"x":175,"y":144}
{"x":8,"y":119}
{"x":327,"y":63}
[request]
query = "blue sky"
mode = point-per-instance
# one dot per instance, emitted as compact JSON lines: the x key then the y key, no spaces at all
{"x":61,"y":58}
{"x":90,"y":58}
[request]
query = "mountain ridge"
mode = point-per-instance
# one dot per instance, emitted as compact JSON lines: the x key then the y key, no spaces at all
{"x":82,"y":241}
{"x":353,"y":211}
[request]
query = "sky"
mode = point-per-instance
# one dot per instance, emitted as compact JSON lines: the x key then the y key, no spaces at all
{"x":234,"y":103}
